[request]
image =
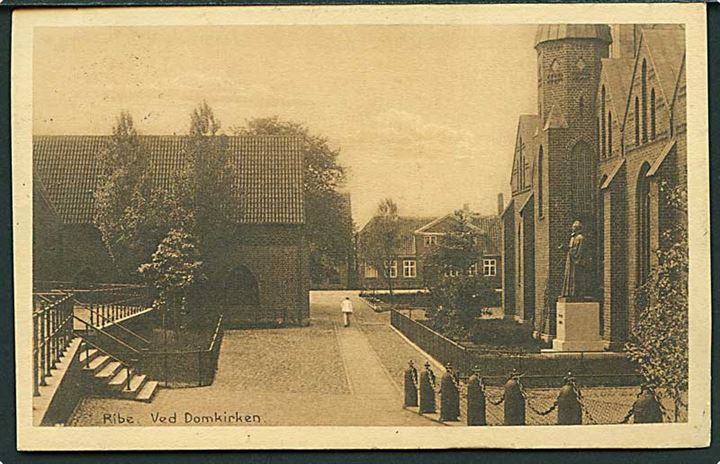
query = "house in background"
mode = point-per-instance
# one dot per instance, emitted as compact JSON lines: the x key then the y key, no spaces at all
{"x":418,"y":236}
{"x":261,"y":270}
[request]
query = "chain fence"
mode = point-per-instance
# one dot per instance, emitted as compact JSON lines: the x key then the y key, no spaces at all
{"x":598,"y":405}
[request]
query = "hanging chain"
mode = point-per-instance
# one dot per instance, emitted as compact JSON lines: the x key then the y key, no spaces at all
{"x":581,"y":401}
{"x":529,"y":405}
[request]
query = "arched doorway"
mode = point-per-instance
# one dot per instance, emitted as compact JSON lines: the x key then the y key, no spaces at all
{"x":642,"y":229}
{"x":241,"y":288}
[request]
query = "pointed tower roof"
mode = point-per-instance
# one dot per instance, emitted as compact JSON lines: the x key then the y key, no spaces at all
{"x":548,"y":32}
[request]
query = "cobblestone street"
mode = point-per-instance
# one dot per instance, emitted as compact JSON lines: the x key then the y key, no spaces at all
{"x":324,"y":374}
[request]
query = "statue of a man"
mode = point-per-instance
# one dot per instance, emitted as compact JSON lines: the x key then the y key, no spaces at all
{"x":577,"y":264}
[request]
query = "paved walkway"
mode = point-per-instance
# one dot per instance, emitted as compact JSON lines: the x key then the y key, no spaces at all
{"x":324,"y":374}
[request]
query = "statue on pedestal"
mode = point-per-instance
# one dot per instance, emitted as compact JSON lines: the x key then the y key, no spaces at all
{"x":577,"y":265}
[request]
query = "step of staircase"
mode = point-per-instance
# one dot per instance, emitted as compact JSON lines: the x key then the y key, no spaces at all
{"x":147,"y":392}
{"x":113,"y":374}
{"x":118,"y":381}
{"x":109,"y":371}
{"x":136,"y":383}
{"x":87,"y":354}
{"x":98,"y":363}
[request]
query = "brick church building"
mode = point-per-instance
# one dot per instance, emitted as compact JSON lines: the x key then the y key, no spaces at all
{"x":609,"y":131}
{"x":261,"y":271}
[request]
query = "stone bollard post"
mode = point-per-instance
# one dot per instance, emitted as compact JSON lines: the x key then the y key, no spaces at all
{"x":449,"y":396}
{"x":568,"y":403}
{"x":514,"y":401}
{"x":476,"y":400}
{"x":411,"y":378}
{"x":427,"y":390}
{"x":646,"y":409}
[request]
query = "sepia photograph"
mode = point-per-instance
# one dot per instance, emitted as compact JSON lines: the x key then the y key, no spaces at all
{"x":426,"y":227}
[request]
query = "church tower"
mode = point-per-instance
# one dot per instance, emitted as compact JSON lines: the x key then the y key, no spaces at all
{"x":568,"y":72}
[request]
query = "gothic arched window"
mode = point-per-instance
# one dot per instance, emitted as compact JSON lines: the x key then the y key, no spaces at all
{"x":603,"y":127}
{"x":582,"y":173}
{"x":643,"y":225}
{"x":597,"y":133}
{"x":652,"y":114}
{"x":610,"y":138}
{"x":540,"y":183}
{"x":637,"y":121}
{"x":644,"y":102}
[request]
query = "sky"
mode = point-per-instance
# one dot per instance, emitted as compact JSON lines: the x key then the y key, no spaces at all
{"x":422,"y":114}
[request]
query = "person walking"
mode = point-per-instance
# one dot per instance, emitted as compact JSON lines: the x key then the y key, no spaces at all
{"x":347,"y":308}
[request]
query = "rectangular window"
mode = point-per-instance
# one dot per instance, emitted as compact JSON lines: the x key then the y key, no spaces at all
{"x":452,"y":273}
{"x":473,"y":269}
{"x":370,"y":272}
{"x":430,"y":240}
{"x":409,"y":268}
{"x":489,"y":267}
{"x":392,"y":269}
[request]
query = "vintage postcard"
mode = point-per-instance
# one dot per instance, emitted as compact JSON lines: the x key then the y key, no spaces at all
{"x":361,"y":227}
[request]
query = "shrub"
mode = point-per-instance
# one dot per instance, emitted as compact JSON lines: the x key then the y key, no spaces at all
{"x":503,"y":333}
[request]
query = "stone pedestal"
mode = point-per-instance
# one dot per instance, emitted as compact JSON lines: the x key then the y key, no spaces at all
{"x":578,"y":325}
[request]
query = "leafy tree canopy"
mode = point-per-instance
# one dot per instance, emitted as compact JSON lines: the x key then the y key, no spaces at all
{"x":381,"y":238}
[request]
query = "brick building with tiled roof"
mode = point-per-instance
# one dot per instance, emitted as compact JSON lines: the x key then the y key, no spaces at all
{"x":262,"y":268}
{"x":610,"y":130}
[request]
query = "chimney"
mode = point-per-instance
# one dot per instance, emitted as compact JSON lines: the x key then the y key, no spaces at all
{"x":500,"y":204}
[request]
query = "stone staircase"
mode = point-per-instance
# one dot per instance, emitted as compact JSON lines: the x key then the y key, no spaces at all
{"x":111,"y":376}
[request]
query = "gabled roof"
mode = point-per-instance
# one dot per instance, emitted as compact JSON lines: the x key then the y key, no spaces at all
{"x":555,"y":119}
{"x":527,"y":128}
{"x":268,"y":174}
{"x":489,"y":227}
{"x":407,"y":225}
{"x":666,"y":48}
{"x":617,"y":76}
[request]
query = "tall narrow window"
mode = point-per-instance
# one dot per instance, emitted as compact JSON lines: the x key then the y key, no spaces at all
{"x":603,"y":126}
{"x":610,"y":128}
{"x":637,"y":122}
{"x":540,"y":183}
{"x":521,"y":167}
{"x":643,"y":225}
{"x":597,"y":134}
{"x":652,"y":114}
{"x":644,"y":102}
{"x":519,"y":254}
{"x":582,"y":173}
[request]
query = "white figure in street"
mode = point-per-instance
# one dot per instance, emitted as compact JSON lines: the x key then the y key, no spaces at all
{"x":347,"y":308}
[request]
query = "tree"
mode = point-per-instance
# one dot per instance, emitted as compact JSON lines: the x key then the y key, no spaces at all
{"x":461,"y":293}
{"x":659,"y":338}
{"x":206,"y":180}
{"x":381,"y":239}
{"x":123,"y":190}
{"x":173,"y":269}
{"x":329,"y":228}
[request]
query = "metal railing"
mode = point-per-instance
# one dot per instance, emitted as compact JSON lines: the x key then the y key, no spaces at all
{"x":52,"y":333}
{"x":186,"y":368}
{"x":435,"y":344}
{"x":538,"y":369}
{"x":54,"y":316}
